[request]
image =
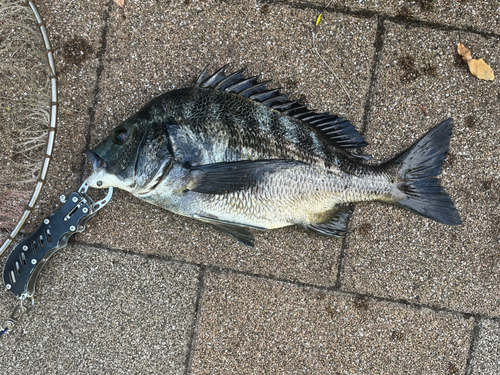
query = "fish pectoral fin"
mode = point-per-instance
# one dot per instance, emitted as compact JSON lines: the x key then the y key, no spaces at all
{"x":336,"y":226}
{"x":226,"y":177}
{"x":239,"y":232}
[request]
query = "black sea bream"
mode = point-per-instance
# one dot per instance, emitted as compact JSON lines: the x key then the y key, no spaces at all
{"x":229,"y":152}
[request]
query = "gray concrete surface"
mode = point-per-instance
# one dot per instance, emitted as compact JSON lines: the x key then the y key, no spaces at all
{"x":413,"y":258}
{"x":486,"y":360}
{"x":400,"y":295}
{"x":478,"y":15}
{"x":105,"y":312}
{"x":252,"y":325}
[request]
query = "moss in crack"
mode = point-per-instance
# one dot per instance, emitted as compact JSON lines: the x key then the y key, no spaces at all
{"x":470,"y":122}
{"x":410,"y":72}
{"x":426,"y":5}
{"x":76,"y":51}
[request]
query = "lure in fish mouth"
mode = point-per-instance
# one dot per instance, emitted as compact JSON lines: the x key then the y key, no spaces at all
{"x":231,"y":153}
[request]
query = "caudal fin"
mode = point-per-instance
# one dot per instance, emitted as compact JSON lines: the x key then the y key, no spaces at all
{"x":417,"y":167}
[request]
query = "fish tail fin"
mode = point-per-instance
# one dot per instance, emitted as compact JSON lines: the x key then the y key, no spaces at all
{"x":416,"y":169}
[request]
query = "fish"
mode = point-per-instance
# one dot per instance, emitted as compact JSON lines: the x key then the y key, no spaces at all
{"x":232,"y":153}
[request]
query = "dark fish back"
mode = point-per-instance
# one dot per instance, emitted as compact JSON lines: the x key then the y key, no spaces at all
{"x":230,"y":118}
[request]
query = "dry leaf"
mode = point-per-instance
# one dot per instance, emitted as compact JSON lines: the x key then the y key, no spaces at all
{"x":481,"y":70}
{"x":464,"y":52}
{"x":477,"y":67}
{"x":121,"y":3}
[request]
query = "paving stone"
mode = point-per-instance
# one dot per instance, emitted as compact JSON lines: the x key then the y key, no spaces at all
{"x":480,"y":15}
{"x":104,"y":312}
{"x":260,"y":326}
{"x":160,"y":46}
{"x":395,"y":254}
{"x":486,"y":358}
{"x":101,"y":311}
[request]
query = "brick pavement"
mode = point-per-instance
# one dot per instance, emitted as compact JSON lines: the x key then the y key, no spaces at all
{"x":145,"y":291}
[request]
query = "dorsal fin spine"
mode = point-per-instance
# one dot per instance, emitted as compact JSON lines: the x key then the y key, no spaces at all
{"x":239,"y":87}
{"x":287,"y":112}
{"x":202,"y":77}
{"x":264,"y":95}
{"x":215,"y":78}
{"x":233,"y":78}
{"x":270,"y":101}
{"x":283,"y":106}
{"x":340,"y":131}
{"x":259,"y":87}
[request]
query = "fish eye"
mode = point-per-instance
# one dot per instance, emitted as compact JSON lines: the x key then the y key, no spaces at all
{"x":120,"y":136}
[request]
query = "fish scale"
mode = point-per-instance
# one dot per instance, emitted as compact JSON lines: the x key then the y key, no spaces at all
{"x":229,"y":152}
{"x":274,"y":203}
{"x":259,"y":126}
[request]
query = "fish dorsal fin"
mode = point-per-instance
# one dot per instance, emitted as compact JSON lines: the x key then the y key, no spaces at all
{"x":340,"y":131}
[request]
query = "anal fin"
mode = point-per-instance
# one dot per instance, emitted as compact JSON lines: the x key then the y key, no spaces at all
{"x":336,"y":226}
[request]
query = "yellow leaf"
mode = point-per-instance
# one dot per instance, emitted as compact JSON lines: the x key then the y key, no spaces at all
{"x":318,"y":20}
{"x":481,"y":70}
{"x":464,"y":52}
{"x":121,"y":3}
{"x":476,"y":66}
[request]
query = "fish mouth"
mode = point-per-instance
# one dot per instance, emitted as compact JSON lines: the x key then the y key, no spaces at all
{"x":98,"y":163}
